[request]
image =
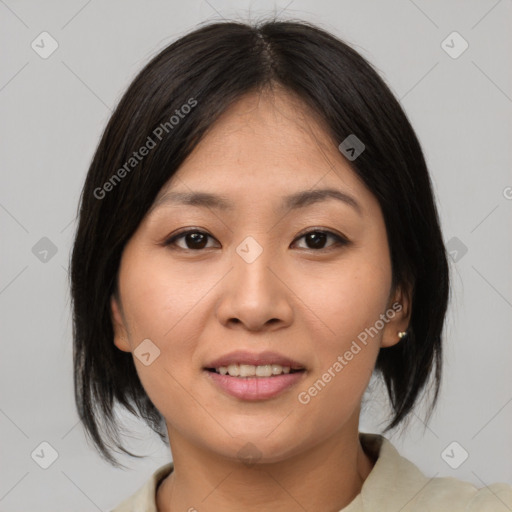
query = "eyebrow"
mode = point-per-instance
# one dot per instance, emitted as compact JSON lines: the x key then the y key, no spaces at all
{"x":291,"y":202}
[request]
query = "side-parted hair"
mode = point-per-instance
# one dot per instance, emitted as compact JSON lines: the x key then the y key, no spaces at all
{"x":208,"y":70}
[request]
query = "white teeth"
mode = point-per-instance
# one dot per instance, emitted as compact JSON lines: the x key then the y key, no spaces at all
{"x":276,"y":369}
{"x":264,"y":371}
{"x":233,"y":370}
{"x":249,"y":370}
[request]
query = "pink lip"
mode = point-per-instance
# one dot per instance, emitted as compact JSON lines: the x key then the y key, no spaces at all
{"x":263,"y":358}
{"x":255,"y":388}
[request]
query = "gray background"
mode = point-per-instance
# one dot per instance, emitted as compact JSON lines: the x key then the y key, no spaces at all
{"x":53,"y":111}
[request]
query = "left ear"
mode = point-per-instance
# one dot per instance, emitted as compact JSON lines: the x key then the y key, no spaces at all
{"x":398,"y":314}
{"x":120,"y":333}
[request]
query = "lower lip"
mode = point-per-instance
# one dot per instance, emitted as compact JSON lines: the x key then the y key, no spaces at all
{"x":255,"y":388}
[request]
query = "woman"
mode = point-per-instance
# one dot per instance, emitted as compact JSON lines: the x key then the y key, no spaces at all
{"x":257,"y":236}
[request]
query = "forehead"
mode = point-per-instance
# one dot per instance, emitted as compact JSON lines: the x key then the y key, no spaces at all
{"x":262,"y":131}
{"x":270,"y":144}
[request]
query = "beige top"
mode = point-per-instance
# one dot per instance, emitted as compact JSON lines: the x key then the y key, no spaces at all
{"x":394,"y":484}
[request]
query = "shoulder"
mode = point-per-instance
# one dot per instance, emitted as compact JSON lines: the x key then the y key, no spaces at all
{"x":145,"y":497}
{"x":395,"y":483}
{"x":464,"y":496}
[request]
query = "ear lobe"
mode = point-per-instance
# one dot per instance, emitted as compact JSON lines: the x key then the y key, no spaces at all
{"x":120,"y":333}
{"x":399,"y":314}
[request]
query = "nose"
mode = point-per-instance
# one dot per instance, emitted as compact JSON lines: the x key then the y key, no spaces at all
{"x":255,"y":295}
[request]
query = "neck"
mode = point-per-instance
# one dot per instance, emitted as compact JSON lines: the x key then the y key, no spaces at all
{"x":326,"y":477}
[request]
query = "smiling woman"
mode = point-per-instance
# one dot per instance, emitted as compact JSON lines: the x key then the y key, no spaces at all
{"x":238,"y":289}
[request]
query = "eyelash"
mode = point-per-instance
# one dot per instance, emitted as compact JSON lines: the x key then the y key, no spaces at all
{"x":339,"y":240}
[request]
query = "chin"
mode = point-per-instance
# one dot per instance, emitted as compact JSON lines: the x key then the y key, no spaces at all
{"x":255,"y":448}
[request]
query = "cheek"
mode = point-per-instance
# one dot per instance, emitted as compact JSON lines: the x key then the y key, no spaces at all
{"x":345,"y":355}
{"x":345,"y":299}
{"x":158,"y":303}
{"x":160,"y":297}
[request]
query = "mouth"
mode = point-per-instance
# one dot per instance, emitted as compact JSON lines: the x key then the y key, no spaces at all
{"x":245,"y":371}
{"x":249,"y":377}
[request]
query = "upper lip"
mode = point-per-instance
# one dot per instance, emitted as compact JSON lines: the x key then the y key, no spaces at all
{"x":256,"y":359}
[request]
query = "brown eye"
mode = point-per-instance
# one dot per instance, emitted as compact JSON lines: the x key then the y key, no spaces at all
{"x":192,"y":240}
{"x":196,"y":240}
{"x":317,"y":239}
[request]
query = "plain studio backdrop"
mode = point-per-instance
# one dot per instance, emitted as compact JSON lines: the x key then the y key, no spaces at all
{"x":64,"y":68}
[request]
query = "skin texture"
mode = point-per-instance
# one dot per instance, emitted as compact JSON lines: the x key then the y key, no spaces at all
{"x":306,"y":303}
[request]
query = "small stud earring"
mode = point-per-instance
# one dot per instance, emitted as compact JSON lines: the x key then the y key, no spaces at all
{"x":402,"y":334}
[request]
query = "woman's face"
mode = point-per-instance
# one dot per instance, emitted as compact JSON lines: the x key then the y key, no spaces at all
{"x":261,"y":280}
